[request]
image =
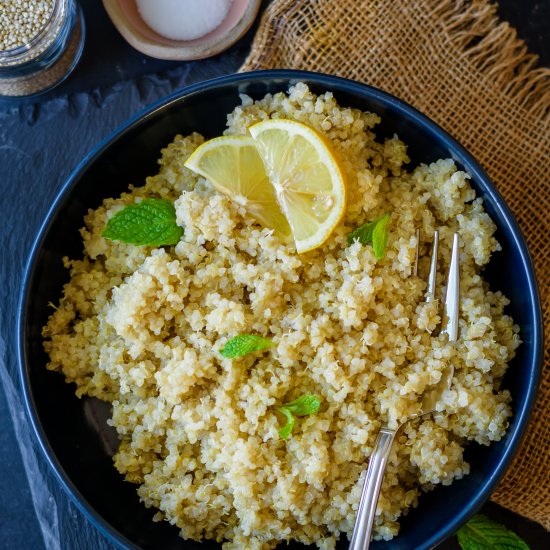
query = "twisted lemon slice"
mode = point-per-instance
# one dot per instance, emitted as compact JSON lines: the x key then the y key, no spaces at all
{"x":309,"y":184}
{"x":286,"y":176}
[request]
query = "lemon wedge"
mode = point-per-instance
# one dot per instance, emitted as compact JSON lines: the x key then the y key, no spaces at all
{"x":234,"y":167}
{"x":309,"y":184}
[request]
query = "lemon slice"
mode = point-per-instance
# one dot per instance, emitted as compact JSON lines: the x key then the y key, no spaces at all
{"x":309,"y":184}
{"x":234,"y":167}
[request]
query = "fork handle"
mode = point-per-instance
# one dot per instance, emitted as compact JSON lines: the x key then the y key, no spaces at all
{"x":371,"y":489}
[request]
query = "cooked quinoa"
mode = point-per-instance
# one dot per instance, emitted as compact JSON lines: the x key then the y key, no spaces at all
{"x":142,"y":327}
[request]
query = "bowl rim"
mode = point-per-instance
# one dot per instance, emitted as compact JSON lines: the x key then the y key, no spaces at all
{"x":292,"y":76}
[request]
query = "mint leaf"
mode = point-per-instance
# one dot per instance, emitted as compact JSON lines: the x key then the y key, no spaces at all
{"x":363,"y":234}
{"x":375,"y":232}
{"x":244,"y":344}
{"x":151,"y":222}
{"x":307,"y":404}
{"x":286,"y":430}
{"x":304,"y":405}
{"x":380,"y":236}
{"x":481,"y":533}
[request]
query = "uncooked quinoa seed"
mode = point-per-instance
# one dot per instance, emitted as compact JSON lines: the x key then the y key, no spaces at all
{"x":21,"y":21}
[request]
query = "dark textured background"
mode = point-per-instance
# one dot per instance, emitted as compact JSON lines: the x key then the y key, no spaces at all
{"x":41,"y":141}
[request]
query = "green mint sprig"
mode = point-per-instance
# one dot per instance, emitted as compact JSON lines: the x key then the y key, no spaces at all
{"x":375,"y":232}
{"x":303,"y":406}
{"x":481,"y":533}
{"x":151,"y":222}
{"x":243,"y":344}
{"x":286,"y":430}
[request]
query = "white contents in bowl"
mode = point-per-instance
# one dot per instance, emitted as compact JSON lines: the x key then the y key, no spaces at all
{"x":183,"y":19}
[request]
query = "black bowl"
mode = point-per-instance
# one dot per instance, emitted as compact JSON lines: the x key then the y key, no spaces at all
{"x":72,"y":433}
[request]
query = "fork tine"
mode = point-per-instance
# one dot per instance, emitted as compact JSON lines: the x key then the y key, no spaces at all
{"x":452,"y":295}
{"x":430,"y":293}
{"x":417,"y":253}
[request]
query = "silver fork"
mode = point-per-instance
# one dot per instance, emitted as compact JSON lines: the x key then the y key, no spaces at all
{"x":379,"y":458}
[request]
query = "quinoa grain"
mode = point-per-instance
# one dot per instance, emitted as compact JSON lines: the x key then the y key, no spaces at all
{"x":21,"y":21}
{"x":141,"y":328}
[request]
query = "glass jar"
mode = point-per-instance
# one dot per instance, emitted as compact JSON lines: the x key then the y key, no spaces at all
{"x":48,"y":58}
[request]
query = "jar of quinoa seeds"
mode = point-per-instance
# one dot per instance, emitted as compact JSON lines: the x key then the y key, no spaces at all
{"x":40,"y":43}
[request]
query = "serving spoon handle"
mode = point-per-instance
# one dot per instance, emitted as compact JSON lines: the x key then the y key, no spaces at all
{"x":371,"y":489}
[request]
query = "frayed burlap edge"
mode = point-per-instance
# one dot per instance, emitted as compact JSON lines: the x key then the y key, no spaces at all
{"x":473,"y":27}
{"x":494,"y":48}
{"x":481,"y":84}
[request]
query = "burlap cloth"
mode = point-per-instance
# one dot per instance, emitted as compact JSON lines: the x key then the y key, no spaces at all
{"x":457,"y":63}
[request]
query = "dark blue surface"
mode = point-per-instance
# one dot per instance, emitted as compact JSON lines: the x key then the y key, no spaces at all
{"x":128,"y":156}
{"x":41,"y":140}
